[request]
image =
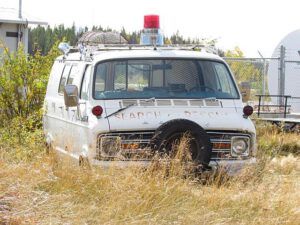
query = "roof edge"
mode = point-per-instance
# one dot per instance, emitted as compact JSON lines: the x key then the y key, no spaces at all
{"x":23,"y":22}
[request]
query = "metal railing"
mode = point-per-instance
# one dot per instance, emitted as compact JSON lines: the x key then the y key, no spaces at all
{"x":262,"y":106}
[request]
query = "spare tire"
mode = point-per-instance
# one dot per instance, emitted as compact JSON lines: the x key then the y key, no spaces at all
{"x":173,"y":130}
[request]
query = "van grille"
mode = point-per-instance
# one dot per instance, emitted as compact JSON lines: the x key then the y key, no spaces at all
{"x":135,"y":145}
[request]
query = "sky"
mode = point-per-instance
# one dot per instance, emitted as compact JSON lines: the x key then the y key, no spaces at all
{"x":251,"y":25}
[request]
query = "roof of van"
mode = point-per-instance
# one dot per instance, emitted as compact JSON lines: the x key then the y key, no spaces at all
{"x":151,"y":53}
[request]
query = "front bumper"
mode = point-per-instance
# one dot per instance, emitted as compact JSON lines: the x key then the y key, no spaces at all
{"x":231,"y":167}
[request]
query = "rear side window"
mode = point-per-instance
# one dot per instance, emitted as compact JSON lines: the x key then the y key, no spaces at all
{"x":56,"y":72}
{"x":84,"y":93}
{"x":73,"y":73}
{"x":68,"y":75}
{"x":64,"y":78}
{"x":100,"y":77}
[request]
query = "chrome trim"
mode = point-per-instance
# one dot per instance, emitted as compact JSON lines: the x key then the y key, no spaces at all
{"x":221,"y":150}
{"x":220,"y":141}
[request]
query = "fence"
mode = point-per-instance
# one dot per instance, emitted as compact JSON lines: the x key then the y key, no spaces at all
{"x":270,"y":78}
{"x":252,"y":71}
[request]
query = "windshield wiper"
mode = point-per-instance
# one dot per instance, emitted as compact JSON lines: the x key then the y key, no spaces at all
{"x":128,"y":106}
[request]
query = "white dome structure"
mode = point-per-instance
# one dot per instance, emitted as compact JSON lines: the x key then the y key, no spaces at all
{"x":291,"y":42}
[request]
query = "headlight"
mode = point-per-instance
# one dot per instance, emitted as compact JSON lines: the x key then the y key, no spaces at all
{"x":240,"y":146}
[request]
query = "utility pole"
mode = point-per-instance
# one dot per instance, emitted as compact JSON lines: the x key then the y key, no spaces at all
{"x":20,"y":9}
{"x":281,"y":75}
{"x":20,"y":27}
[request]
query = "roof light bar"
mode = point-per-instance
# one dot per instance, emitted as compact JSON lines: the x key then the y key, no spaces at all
{"x":151,"y":21}
{"x":152,"y":34}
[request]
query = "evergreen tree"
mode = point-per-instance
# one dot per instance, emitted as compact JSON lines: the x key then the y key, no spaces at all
{"x":43,"y":38}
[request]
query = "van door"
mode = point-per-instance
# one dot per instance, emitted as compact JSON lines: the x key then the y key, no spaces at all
{"x":75,"y":126}
{"x":52,"y":121}
{"x":66,"y":115}
{"x":59,"y":107}
{"x":83,"y":126}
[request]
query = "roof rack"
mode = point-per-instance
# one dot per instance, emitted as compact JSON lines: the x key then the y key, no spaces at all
{"x":88,"y":51}
{"x":191,"y":47}
{"x":167,"y":47}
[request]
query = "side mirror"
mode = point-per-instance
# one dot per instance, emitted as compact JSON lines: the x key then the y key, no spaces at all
{"x":245,"y":89}
{"x":71,"y":95}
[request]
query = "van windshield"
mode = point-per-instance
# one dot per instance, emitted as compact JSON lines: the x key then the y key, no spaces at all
{"x":163,"y":78}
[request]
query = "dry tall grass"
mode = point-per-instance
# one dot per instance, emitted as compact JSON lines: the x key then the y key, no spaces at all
{"x":32,"y":192}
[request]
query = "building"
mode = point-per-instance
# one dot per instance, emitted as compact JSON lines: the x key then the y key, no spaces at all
{"x":14,"y":28}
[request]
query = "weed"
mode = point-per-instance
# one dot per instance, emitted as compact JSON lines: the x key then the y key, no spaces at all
{"x":44,"y":192}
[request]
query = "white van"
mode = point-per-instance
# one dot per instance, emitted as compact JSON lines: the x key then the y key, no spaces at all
{"x":127,"y":104}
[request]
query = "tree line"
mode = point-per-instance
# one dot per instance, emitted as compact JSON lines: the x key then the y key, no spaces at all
{"x":43,"y":38}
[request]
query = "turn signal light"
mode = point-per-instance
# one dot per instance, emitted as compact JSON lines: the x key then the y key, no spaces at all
{"x":222,"y":145}
{"x":248,"y":110}
{"x":130,"y":146}
{"x":97,"y":110}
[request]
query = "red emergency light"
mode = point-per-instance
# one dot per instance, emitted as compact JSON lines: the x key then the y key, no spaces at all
{"x":151,"y":22}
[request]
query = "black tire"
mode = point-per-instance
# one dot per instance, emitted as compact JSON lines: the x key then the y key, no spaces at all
{"x":200,"y":145}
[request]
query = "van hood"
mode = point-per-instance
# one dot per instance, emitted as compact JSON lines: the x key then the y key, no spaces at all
{"x":211,"y":114}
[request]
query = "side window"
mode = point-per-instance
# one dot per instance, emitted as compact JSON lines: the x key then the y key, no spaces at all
{"x":100,"y":77}
{"x":84,"y":92}
{"x":74,"y":72}
{"x":226,"y":85}
{"x":64,"y":78}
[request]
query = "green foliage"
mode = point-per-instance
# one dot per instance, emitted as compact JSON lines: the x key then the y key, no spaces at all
{"x":23,"y":82}
{"x":244,"y":71}
{"x":20,"y":140}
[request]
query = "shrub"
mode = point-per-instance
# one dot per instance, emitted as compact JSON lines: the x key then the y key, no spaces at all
{"x":23,"y":82}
